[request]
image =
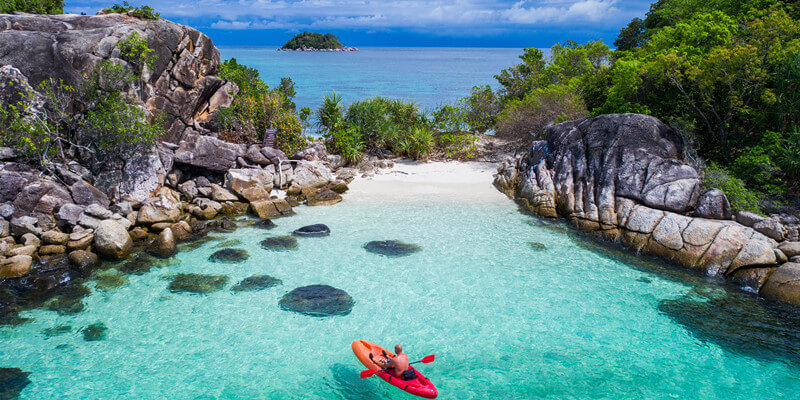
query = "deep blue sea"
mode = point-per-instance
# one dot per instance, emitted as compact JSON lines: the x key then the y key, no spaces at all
{"x":430,"y":76}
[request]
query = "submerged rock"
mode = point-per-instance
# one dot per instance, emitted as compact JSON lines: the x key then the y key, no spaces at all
{"x":256,"y":282}
{"x":739,"y":323}
{"x":279,"y":243}
{"x":197,"y":283}
{"x":55,"y":331}
{"x":143,"y":262}
{"x":109,"y":280}
{"x":94,"y":332}
{"x":264,"y":224}
{"x":12,"y":381}
{"x":229,"y":256}
{"x":315,"y":230}
{"x":69,"y":300}
{"x":536,"y":246}
{"x":392,"y":248}
{"x":222,"y":225}
{"x":228,"y":243}
{"x":317,"y":301}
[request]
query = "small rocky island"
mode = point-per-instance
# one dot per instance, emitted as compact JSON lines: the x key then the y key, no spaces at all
{"x":312,"y":41}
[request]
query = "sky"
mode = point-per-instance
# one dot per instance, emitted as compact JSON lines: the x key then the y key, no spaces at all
{"x":474,"y":23}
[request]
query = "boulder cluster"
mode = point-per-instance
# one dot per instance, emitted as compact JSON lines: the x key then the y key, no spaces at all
{"x":626,"y":178}
{"x":65,"y":218}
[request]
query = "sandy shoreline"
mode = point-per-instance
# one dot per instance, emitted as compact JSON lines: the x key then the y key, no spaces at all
{"x":414,"y":181}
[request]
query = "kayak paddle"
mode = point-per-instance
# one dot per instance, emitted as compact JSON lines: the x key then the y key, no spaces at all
{"x":425,"y":360}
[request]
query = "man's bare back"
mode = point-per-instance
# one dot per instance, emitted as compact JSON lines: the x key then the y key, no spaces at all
{"x":396,"y":365}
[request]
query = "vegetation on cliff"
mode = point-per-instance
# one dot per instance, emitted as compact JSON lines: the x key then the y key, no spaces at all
{"x":32,"y":6}
{"x":142,"y":12}
{"x":313,"y":40}
{"x":257,"y":108}
{"x":45,"y":124}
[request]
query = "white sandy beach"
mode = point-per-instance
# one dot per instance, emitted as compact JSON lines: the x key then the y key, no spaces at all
{"x":409,"y":181}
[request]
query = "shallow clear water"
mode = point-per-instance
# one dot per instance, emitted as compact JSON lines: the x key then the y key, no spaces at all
{"x":505,"y":321}
{"x":429,"y":76}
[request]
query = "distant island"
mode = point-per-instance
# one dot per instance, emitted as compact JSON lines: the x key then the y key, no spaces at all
{"x":312,"y":41}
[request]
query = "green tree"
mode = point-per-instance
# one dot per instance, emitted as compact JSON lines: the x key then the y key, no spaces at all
{"x":32,"y":6}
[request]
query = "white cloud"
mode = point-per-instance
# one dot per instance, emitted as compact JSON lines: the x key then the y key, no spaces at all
{"x":575,"y":12}
{"x":465,"y":15}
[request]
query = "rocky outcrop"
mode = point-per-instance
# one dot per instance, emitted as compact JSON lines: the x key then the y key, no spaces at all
{"x":624,"y":178}
{"x":181,"y":83}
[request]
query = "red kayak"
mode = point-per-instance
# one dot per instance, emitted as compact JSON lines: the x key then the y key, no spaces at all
{"x":419,"y":386}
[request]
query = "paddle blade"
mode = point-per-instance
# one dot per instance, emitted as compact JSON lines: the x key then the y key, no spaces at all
{"x":428,"y":359}
{"x":367,"y":373}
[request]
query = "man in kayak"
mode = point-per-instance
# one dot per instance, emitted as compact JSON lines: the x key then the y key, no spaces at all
{"x":397,"y":365}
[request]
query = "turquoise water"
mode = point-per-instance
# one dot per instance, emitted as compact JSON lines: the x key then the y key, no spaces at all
{"x":429,"y":76}
{"x":574,"y":321}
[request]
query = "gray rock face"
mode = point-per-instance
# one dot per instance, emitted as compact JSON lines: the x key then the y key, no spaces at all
{"x":85,"y":194}
{"x":207,"y":152}
{"x":181,"y":82}
{"x":623,"y":178}
{"x":69,"y":214}
{"x":713,"y":204}
{"x":142,"y":175}
{"x":314,"y":152}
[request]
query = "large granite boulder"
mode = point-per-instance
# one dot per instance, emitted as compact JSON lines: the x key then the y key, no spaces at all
{"x":624,"y":178}
{"x":784,"y":284}
{"x":181,"y":82}
{"x":253,"y":184}
{"x":111,"y":240}
{"x":166,"y":207}
{"x":207,"y":152}
{"x":311,"y":174}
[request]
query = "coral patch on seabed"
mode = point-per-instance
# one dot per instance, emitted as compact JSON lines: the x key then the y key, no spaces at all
{"x":56,"y":330}
{"x":69,"y":300}
{"x":255,"y":283}
{"x":12,"y":381}
{"x":94,"y":332}
{"x":317,"y":301}
{"x":109,"y":280}
{"x":279,"y":243}
{"x":536,"y":246}
{"x":392,"y":248}
{"x":229,"y":256}
{"x":197,"y":283}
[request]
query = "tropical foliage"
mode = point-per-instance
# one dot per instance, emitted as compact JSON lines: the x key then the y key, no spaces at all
{"x":257,"y":108}
{"x":111,"y":124}
{"x":143,"y":12}
{"x":32,"y":6}
{"x":378,"y":124}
